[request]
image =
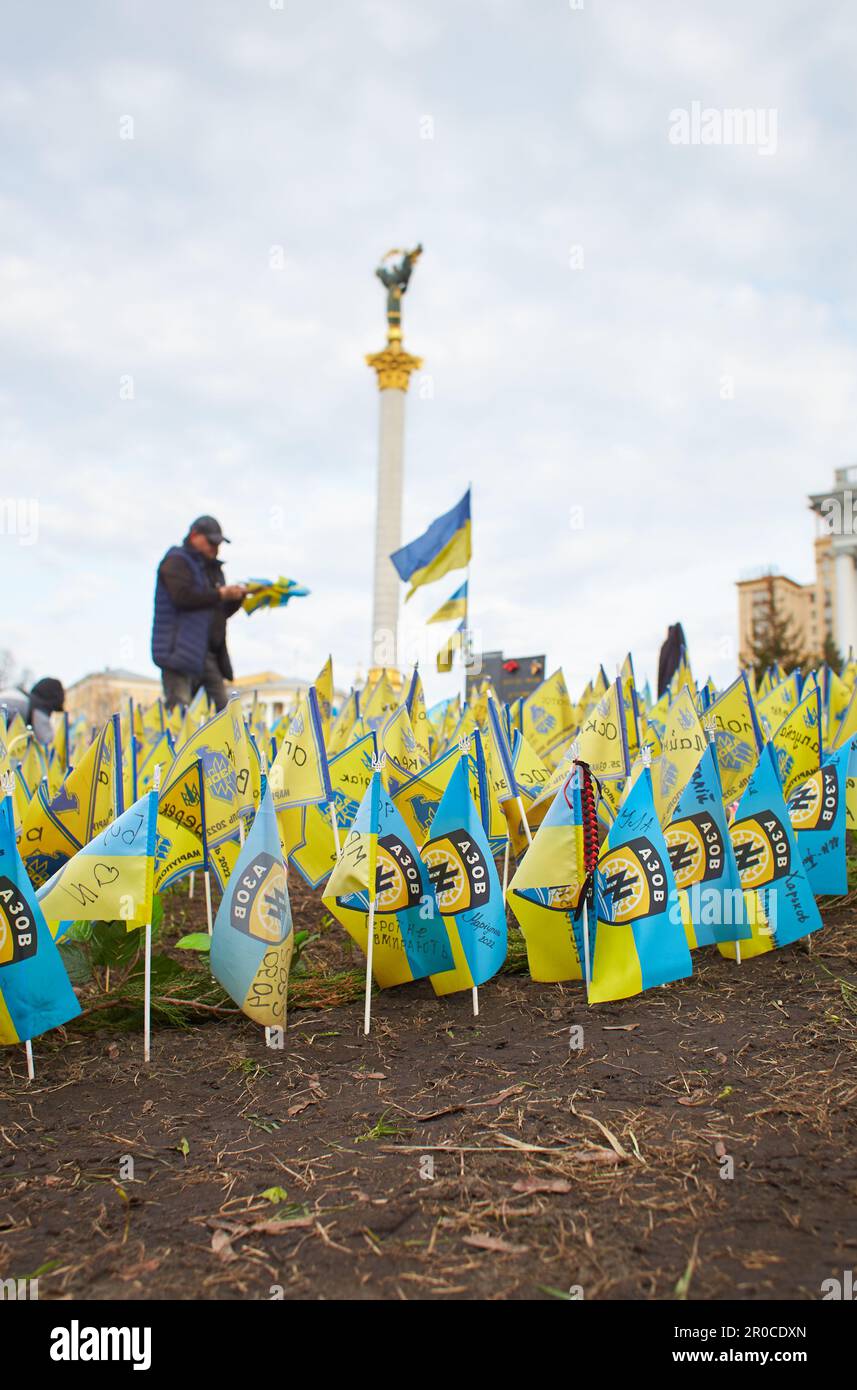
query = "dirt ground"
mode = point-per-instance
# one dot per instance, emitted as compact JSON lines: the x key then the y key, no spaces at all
{"x":448,"y":1156}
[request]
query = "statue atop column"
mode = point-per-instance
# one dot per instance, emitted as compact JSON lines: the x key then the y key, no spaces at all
{"x":395,"y":278}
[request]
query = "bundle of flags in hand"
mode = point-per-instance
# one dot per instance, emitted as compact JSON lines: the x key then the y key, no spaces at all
{"x":271,"y":593}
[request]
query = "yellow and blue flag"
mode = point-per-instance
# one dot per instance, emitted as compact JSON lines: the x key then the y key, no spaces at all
{"x":547,"y":717}
{"x":703,"y":861}
{"x":415,"y":703}
{"x":299,"y":773}
{"x":639,"y":937}
{"x":454,"y":643}
{"x":682,"y":745}
{"x":798,"y":740}
{"x":737,"y":736}
{"x":380,"y":863}
{"x":455,"y":607}
{"x":35,"y":993}
{"x":817,"y":813}
{"x":252,"y":940}
{"x":110,"y":879}
{"x":782,"y":907}
{"x":443,"y":547}
{"x":350,"y":774}
{"x":602,"y":739}
{"x":469,"y":895}
{"x":545,"y":891}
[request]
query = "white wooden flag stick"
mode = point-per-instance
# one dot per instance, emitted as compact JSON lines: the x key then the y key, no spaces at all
{"x":8,"y":784}
{"x":587,"y":971}
{"x":475,"y":1001}
{"x":208,"y":902}
{"x":370,"y":942}
{"x":190,"y":883}
{"x":147,"y":962}
{"x":527,"y":830}
{"x":334,"y":825}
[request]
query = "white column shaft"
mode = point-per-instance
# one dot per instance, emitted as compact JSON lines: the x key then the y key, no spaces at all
{"x":388,"y":527}
{"x":846,"y":602}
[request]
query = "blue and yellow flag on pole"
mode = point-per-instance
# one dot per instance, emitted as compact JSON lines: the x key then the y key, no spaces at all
{"x":35,"y":993}
{"x":781,"y":908}
{"x":110,"y":879}
{"x":380,"y":861}
{"x":455,"y":607}
{"x":703,"y":861}
{"x":737,"y":736}
{"x":443,"y":547}
{"x":545,"y":891}
{"x":462,"y":872}
{"x":252,"y":940}
{"x":454,"y":643}
{"x":817,"y":813}
{"x":639,"y":937}
{"x":798,"y":740}
{"x":299,"y":773}
{"x":350,"y":774}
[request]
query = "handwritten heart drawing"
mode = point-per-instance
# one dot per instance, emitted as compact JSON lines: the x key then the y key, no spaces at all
{"x":110,"y":872}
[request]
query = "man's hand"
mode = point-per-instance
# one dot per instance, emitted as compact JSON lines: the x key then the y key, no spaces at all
{"x":232,"y":592}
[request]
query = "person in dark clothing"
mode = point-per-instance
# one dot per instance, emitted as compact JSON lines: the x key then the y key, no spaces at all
{"x":47,"y":697}
{"x":192,"y":604}
{"x":669,"y":660}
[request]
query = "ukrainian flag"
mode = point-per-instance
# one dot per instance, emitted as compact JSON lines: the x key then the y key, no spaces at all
{"x":443,"y":547}
{"x":35,"y":993}
{"x":453,"y":644}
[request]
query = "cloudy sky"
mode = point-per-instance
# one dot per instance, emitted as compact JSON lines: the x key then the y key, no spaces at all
{"x":642,"y":353}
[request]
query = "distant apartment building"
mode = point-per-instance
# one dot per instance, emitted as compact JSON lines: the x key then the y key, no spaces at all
{"x":827,"y":605}
{"x":795,"y":602}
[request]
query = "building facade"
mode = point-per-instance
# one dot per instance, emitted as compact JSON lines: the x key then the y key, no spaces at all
{"x":795,"y":602}
{"x":276,"y":694}
{"x":103,"y":693}
{"x":837,"y":529}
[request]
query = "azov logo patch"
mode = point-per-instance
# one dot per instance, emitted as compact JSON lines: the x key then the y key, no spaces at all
{"x":634,"y":881}
{"x":695,"y":848}
{"x":17,"y":928}
{"x":813,"y":805}
{"x":762,"y":849}
{"x":398,"y":879}
{"x":260,"y":901}
{"x":458,"y":870}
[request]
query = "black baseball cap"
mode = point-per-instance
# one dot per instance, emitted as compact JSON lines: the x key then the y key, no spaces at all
{"x":208,"y":526}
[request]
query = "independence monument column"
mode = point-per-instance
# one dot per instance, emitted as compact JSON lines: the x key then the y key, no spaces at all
{"x":393,"y":366}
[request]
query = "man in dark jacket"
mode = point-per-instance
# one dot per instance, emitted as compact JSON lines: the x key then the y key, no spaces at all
{"x":192,"y":604}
